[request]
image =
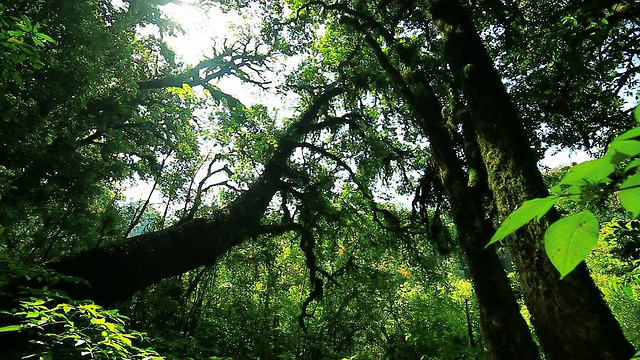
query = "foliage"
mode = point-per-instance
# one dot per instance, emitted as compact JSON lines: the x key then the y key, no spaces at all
{"x":569,"y":241}
{"x":79,"y":126}
{"x":571,"y":81}
{"x":57,"y":326}
{"x":250,"y":304}
{"x":20,"y":40}
{"x":615,"y":270}
{"x":340,"y":267}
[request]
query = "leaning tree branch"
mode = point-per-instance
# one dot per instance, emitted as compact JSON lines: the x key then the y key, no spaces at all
{"x":117,"y":271}
{"x":234,"y":60}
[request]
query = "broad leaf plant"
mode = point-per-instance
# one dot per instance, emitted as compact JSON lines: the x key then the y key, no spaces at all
{"x":569,"y":240}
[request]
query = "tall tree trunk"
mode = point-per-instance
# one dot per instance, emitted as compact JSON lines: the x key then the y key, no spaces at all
{"x":467,"y":313}
{"x":116,"y":272}
{"x":504,"y":330}
{"x":571,"y":318}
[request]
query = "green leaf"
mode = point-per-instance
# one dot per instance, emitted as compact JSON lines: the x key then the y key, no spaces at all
{"x":630,"y":198}
{"x":45,"y":37}
{"x":125,"y":340}
{"x":535,"y":208}
{"x":632,"y":165}
{"x":589,"y":172}
{"x":110,"y":326}
{"x":620,"y":150}
{"x":98,"y":321}
{"x":37,"y":41}
{"x":630,"y":134}
{"x":10,"y":328}
{"x":568,"y":241}
{"x":17,"y":78}
{"x":636,"y":113}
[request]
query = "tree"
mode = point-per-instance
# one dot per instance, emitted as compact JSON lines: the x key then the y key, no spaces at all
{"x":145,"y":263}
{"x":418,"y":99}
{"x":513,"y":177}
{"x":505,"y":332}
{"x":78,"y":125}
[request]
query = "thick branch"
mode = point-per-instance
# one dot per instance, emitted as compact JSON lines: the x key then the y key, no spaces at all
{"x":237,"y":60}
{"x":118,"y":271}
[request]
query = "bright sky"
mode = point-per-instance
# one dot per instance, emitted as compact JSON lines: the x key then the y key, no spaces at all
{"x":564,"y":157}
{"x":202,"y":29}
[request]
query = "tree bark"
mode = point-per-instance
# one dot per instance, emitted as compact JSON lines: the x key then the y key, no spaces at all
{"x":505,"y":332}
{"x":571,"y":318}
{"x":116,"y":272}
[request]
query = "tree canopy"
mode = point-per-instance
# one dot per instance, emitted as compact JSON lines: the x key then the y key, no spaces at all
{"x":380,"y":198}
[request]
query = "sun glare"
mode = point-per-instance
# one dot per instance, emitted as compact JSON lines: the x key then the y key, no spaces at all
{"x":203,"y":29}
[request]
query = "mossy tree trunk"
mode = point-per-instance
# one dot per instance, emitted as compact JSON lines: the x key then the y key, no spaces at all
{"x":504,"y":331}
{"x":570,"y":316}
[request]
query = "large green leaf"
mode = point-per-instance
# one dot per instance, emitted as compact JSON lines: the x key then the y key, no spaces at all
{"x":629,"y":135}
{"x":10,"y":328}
{"x":630,"y":198}
{"x":633,"y":164}
{"x":589,"y":172}
{"x":620,"y":150}
{"x":535,"y":208}
{"x":568,"y":241}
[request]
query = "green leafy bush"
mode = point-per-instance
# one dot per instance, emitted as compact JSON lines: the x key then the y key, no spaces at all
{"x":47,"y":324}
